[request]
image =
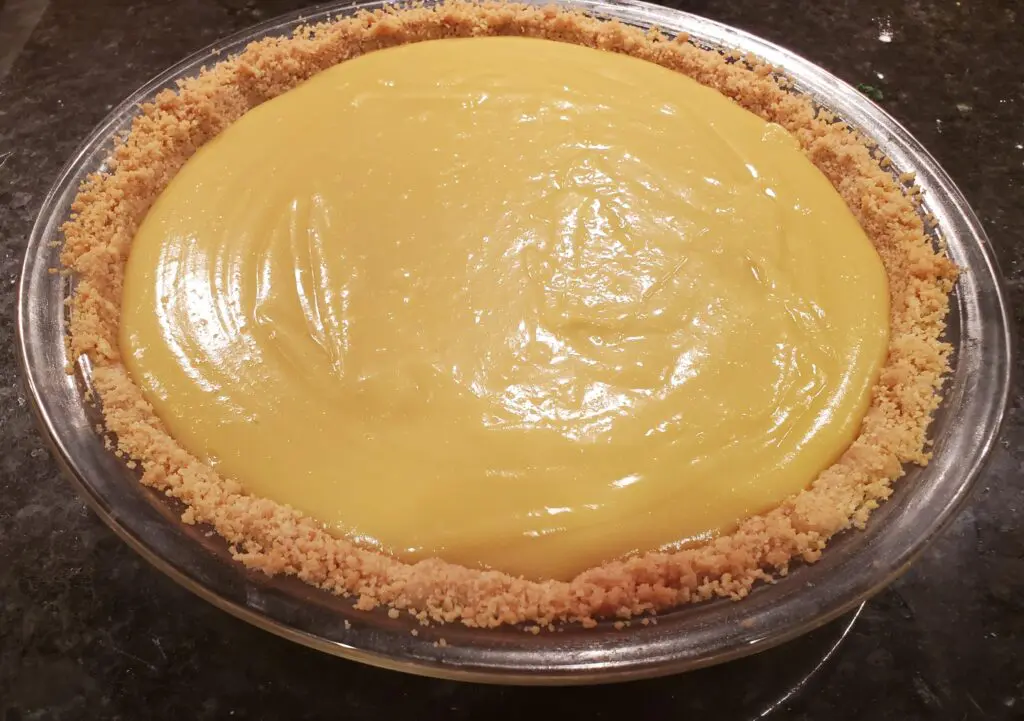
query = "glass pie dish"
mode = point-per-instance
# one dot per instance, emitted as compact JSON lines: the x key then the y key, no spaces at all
{"x":856,"y":564}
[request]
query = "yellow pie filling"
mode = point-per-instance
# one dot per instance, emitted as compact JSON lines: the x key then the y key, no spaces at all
{"x":508,"y":302}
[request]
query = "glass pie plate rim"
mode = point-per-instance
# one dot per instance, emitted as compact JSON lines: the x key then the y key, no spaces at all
{"x":856,"y":564}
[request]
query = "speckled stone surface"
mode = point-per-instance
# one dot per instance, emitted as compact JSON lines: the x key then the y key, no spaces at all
{"x":89,"y":631}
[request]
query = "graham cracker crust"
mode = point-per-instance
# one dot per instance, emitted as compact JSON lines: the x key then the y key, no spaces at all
{"x":276,"y":539}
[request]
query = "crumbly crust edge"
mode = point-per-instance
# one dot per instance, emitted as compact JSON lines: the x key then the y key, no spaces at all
{"x":276,"y":539}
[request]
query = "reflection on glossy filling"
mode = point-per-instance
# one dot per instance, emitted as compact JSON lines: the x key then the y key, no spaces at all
{"x":509,"y":302}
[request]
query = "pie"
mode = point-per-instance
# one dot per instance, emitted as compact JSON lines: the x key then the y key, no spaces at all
{"x":436,"y":313}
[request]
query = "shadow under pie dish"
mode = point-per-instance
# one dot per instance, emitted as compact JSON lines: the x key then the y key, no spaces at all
{"x":270,"y":537}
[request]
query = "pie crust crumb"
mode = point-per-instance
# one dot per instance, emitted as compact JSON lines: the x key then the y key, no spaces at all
{"x":276,"y":539}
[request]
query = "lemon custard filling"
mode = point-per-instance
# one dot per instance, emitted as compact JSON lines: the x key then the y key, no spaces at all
{"x":508,"y":302}
{"x":500,"y":329}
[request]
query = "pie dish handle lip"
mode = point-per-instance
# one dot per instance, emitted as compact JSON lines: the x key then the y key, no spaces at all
{"x":661,"y":654}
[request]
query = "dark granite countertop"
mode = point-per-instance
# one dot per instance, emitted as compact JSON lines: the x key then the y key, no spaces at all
{"x":89,"y":630}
